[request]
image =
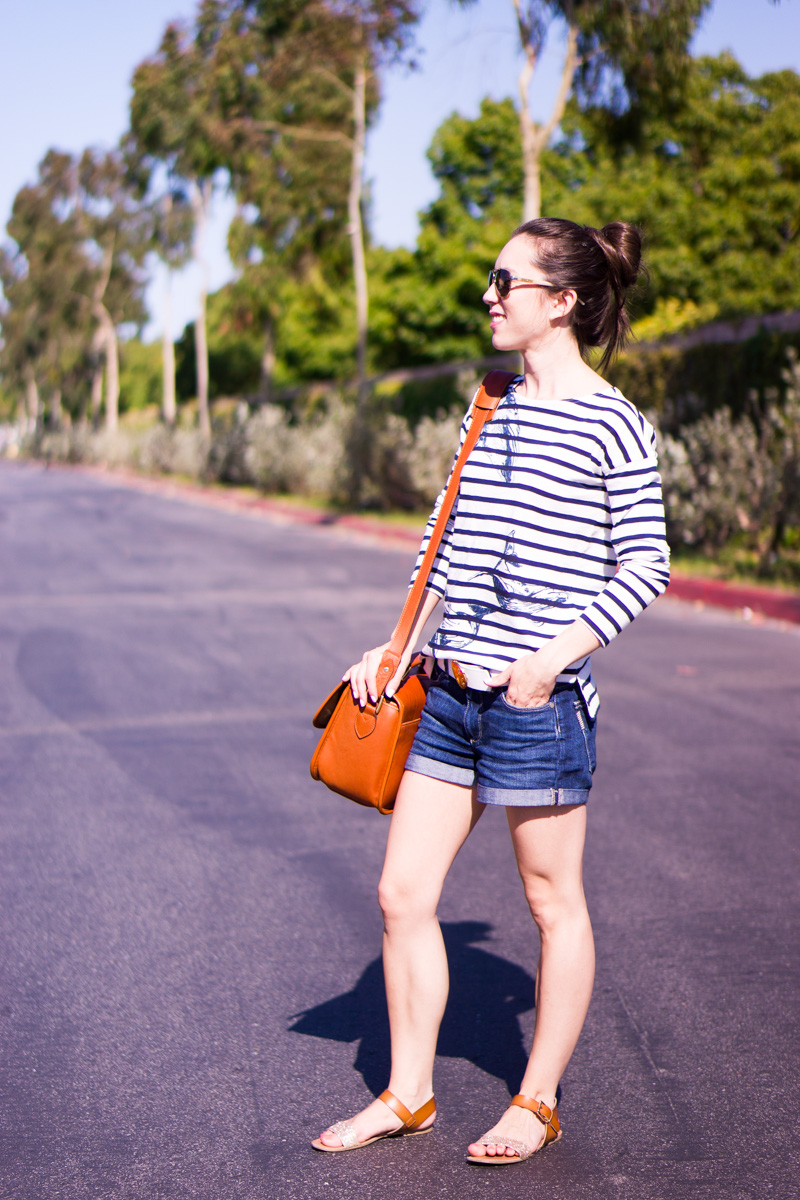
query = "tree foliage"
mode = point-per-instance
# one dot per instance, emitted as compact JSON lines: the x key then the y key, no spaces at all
{"x":317,"y":89}
{"x":714,"y":184}
{"x":623,"y":54}
{"x":182,"y":100}
{"x":289,"y":158}
{"x":71,"y":277}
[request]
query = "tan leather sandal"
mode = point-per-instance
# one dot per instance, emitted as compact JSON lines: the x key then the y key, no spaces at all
{"x":411,"y":1121}
{"x":552,"y":1133}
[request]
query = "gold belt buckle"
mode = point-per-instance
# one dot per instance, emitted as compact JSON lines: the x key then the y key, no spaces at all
{"x":458,"y":674}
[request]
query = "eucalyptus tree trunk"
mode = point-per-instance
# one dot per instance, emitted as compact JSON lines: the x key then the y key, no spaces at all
{"x":535,"y":138}
{"x":106,"y":339}
{"x":56,"y":410}
{"x":356,"y":228}
{"x":111,"y":355}
{"x":97,"y":394}
{"x":32,"y":403}
{"x":267,"y":362}
{"x":169,"y":408}
{"x":201,"y":200}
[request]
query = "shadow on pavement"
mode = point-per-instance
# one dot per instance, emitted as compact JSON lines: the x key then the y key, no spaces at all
{"x":487,"y":994}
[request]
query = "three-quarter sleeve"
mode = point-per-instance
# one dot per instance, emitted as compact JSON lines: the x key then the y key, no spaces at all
{"x":637,"y":534}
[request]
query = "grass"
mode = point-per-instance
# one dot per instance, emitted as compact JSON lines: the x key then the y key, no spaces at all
{"x":736,"y":564}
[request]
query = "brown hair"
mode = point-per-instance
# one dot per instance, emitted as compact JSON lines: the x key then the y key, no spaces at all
{"x":599,"y":265}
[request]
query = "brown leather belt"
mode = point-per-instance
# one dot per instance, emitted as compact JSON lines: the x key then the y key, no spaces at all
{"x":467,"y":675}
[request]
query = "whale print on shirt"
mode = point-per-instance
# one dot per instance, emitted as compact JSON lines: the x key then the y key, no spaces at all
{"x":462,"y":629}
{"x":513,"y":595}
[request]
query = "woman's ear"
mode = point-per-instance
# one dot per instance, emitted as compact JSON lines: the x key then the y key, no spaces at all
{"x":564,"y":302}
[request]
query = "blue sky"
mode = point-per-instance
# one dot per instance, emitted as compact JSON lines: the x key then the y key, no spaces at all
{"x":65,"y":70}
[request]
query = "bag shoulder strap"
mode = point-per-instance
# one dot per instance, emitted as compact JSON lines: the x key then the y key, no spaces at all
{"x":491,"y":392}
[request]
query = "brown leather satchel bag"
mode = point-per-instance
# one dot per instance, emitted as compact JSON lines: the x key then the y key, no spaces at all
{"x":362,"y":752}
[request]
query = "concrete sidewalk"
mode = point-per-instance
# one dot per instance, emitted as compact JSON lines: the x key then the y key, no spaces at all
{"x":749,"y":599}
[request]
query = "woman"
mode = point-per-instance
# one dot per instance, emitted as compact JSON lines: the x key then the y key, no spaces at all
{"x":555,"y":544}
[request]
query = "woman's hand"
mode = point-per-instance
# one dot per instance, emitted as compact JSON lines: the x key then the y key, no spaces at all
{"x":362,"y":676}
{"x":530,"y":681}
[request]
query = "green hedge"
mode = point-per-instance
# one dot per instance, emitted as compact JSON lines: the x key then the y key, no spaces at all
{"x":681,"y":385}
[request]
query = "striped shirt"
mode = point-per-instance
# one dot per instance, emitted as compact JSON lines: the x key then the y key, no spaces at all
{"x":558,"y":518}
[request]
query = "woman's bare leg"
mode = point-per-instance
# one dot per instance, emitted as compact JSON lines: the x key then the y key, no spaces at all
{"x":549,"y":850}
{"x":430,"y":823}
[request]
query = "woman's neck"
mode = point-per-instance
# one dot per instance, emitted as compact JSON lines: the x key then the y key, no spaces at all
{"x":557,"y":370}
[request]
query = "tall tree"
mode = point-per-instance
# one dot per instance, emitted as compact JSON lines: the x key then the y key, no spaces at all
{"x":75,"y":274}
{"x":331,"y":51}
{"x":116,"y":235}
{"x":172,"y":226}
{"x":286,"y":155}
{"x":620,"y":50}
{"x":176,"y":120}
{"x":43,"y":275}
{"x":380,"y":32}
{"x":171,"y":223}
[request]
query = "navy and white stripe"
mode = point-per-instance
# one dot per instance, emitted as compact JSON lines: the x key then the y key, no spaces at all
{"x":558,"y":517}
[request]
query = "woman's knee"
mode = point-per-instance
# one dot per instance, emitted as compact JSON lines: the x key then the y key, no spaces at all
{"x":404,"y":900}
{"x":552,"y":906}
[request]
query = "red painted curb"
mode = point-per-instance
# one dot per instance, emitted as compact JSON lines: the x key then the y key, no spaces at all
{"x":780,"y":606}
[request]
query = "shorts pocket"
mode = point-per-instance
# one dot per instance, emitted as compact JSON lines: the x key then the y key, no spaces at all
{"x":517,"y":708}
{"x":588,"y":734}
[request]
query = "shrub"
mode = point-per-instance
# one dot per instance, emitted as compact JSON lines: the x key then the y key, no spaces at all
{"x":435,"y":445}
{"x":179,"y":451}
{"x":737,"y":477}
{"x":681,"y":385}
{"x":709,"y":486}
{"x":308,"y":458}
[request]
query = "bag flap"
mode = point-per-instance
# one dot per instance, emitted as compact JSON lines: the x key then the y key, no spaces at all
{"x":325,"y":710}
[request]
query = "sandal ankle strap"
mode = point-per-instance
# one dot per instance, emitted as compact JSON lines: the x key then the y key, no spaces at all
{"x":543,"y":1112}
{"x":409,"y":1119}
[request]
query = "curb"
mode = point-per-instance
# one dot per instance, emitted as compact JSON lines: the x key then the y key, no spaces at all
{"x":779,"y":606}
{"x":749,"y":599}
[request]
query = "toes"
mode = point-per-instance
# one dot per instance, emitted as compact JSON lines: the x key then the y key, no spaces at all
{"x":493,"y":1150}
{"x":330,"y":1139}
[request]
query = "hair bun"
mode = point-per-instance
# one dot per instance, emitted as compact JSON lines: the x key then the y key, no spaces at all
{"x":626,"y":243}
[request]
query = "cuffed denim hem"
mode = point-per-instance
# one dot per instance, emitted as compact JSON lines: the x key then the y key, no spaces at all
{"x":532,"y":797}
{"x":434,"y":769}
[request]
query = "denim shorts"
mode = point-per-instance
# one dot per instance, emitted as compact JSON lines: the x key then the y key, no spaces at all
{"x":513,"y":756}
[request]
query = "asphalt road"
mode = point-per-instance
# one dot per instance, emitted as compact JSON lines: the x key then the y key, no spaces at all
{"x":190,"y":986}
